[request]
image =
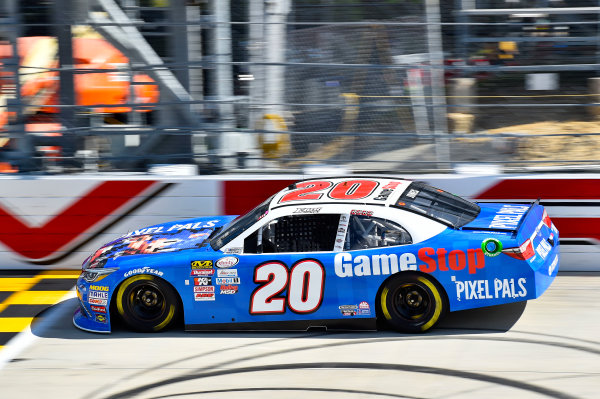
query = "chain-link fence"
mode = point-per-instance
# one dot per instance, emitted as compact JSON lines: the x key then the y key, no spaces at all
{"x":254,"y":85}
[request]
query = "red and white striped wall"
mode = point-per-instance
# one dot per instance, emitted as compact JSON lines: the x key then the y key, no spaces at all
{"x":55,"y":222}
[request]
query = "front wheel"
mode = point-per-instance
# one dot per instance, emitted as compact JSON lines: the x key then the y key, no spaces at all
{"x":412,"y":302}
{"x":147,"y":303}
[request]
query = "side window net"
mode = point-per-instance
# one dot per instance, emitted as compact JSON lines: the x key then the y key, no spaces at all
{"x":302,"y":233}
{"x":371,"y":232}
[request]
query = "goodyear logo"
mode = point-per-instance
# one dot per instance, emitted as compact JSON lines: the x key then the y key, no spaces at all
{"x":202,"y":264}
{"x":99,"y":288}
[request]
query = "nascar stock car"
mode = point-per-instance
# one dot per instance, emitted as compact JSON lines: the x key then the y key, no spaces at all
{"x":338,"y":253}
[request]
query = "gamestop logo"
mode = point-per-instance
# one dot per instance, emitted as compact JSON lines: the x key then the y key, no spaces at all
{"x":427,"y":260}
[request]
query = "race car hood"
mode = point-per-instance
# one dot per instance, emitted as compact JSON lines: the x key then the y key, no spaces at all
{"x":161,"y":238}
{"x":499,"y":217}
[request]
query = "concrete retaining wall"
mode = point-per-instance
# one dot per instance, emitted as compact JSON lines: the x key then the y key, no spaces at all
{"x":55,"y":222}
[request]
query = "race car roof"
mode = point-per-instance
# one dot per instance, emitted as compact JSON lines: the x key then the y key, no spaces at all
{"x":353,"y":190}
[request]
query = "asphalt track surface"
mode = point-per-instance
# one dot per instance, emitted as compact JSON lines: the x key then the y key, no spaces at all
{"x":549,"y":348}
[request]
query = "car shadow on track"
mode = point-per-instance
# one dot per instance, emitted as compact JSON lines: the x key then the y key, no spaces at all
{"x":56,"y":322}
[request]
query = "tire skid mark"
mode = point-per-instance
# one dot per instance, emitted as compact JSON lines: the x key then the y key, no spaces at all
{"x":354,"y":342}
{"x":212,"y":352}
{"x":587,"y":341}
{"x":296,"y":389}
{"x":460,"y":394}
{"x":352,"y":365}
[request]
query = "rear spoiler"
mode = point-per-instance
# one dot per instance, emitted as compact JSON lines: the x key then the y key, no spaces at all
{"x":532,"y":205}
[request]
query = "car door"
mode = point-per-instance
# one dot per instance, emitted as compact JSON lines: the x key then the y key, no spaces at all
{"x":287,"y":261}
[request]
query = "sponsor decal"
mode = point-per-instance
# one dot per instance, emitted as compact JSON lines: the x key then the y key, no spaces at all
{"x":193,"y":226}
{"x":202,"y":272}
{"x":364,"y":308}
{"x":388,"y":189}
{"x":227,"y":262}
{"x":348,"y":310}
{"x":202,"y":264}
{"x":553,"y":266}
{"x":412,"y":193}
{"x":149,"y":244}
{"x":227,"y":273}
{"x":428,"y":260}
{"x":227,"y":280}
{"x":307,"y":210}
{"x":233,"y":251}
{"x":491,"y":247}
{"x":205,"y":288}
{"x":96,"y":301}
{"x":98,"y":309}
{"x":508,"y":216}
{"x":98,"y":288}
{"x":146,"y":231}
{"x":100,"y":318}
{"x":229,"y":289}
{"x":361,"y":212}
{"x":543,"y":248}
{"x":174,"y":228}
{"x":98,"y":294}
{"x":488,"y":289}
{"x":143,"y":270}
{"x":204,"y":296}
{"x":341,"y":233}
{"x":203,"y":281}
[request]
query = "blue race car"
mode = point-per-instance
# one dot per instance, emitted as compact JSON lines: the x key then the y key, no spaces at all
{"x":330,"y":252}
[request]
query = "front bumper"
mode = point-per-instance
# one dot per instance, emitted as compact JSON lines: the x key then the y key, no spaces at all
{"x":86,"y":324}
{"x":93,"y":314}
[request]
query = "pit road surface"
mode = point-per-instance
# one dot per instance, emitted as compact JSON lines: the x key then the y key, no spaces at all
{"x":551,"y":350}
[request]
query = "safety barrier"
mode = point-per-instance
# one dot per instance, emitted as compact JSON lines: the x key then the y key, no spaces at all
{"x":56,"y":222}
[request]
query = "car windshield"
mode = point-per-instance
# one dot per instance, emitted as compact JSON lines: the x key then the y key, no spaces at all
{"x":239,"y":225}
{"x":438,"y":205}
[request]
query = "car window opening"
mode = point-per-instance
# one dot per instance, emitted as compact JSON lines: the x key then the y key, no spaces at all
{"x":437,"y":204}
{"x":296,"y":233}
{"x":372,"y":232}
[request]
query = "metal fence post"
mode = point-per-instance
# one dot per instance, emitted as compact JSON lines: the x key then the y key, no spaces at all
{"x":436,"y":61}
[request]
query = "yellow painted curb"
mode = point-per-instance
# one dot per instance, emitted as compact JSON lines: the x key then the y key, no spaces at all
{"x":59,"y":274}
{"x":17,"y":283}
{"x":35,"y":298}
{"x":14,"y":324}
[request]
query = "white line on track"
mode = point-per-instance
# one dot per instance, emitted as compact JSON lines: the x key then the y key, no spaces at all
{"x":25,"y":338}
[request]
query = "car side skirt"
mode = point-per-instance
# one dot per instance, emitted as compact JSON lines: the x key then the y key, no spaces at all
{"x":366,"y":324}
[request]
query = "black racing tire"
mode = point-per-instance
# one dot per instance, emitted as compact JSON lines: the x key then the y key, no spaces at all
{"x":147,"y":303}
{"x":412,"y":302}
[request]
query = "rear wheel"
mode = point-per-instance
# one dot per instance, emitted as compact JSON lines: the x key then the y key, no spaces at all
{"x":412,"y":302}
{"x":147,"y":303}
